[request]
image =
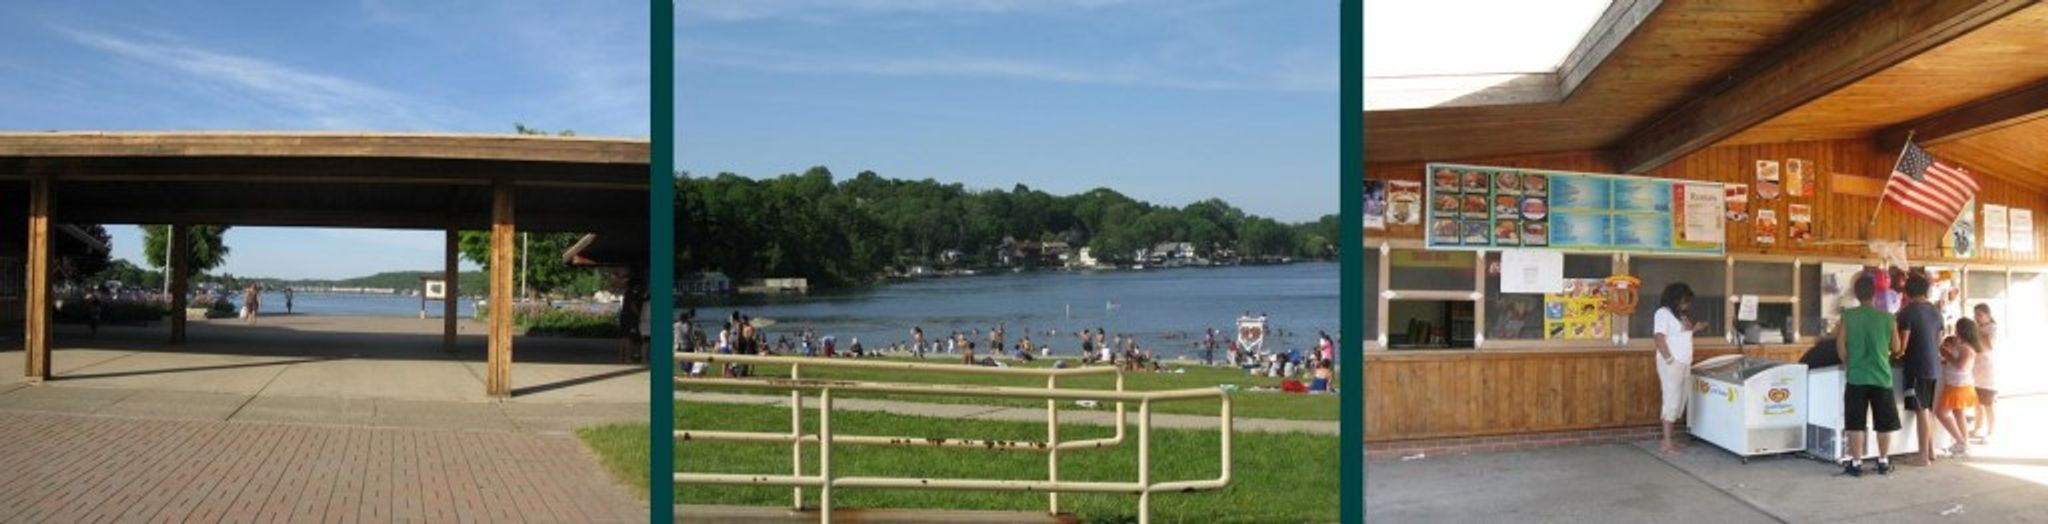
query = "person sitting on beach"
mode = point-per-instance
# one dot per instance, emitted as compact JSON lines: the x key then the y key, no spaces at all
{"x":1321,"y":383}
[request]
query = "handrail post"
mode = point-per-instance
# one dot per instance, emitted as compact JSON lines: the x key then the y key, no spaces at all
{"x":1120,"y":407}
{"x":1145,"y":461}
{"x":1052,"y":441}
{"x":796,"y":430}
{"x":825,"y":456}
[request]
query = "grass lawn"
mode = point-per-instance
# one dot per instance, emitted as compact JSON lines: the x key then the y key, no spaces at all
{"x":623,"y":449}
{"x":1278,"y":477}
{"x":1250,"y":404}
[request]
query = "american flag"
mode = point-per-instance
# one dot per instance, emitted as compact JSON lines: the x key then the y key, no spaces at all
{"x":1924,"y":186}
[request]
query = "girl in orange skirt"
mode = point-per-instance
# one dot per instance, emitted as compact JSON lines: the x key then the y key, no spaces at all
{"x":1958,"y":388}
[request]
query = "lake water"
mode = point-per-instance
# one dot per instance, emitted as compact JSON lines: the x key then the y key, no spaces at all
{"x":1167,"y":309}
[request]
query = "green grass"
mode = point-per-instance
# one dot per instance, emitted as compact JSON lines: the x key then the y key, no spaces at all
{"x":1278,"y":477}
{"x":1249,"y":404}
{"x":622,"y":448}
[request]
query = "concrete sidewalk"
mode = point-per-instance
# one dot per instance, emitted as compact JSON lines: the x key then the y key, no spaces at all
{"x":1104,"y":416}
{"x":2003,"y":482}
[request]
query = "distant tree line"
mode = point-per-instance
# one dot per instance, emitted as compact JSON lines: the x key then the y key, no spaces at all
{"x":854,"y":231}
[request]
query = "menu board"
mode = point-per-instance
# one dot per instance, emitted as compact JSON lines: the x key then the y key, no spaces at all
{"x":1478,"y":207}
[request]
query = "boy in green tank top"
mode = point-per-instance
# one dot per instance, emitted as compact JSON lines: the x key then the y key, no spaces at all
{"x":1867,"y":340}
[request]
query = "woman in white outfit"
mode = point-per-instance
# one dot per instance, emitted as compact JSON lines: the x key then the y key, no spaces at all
{"x":1673,"y":327}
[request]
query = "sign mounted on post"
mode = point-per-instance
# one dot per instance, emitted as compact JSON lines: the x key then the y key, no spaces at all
{"x":1479,"y":207}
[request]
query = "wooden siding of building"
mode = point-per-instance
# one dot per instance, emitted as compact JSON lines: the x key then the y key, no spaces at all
{"x":1445,"y":394}
{"x":1464,"y":393}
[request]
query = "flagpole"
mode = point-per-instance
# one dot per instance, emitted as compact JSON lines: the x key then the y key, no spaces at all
{"x":1874,"y":210}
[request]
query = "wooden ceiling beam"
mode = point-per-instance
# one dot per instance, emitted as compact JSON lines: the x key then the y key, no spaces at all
{"x":1983,"y":116}
{"x":1862,"y":40}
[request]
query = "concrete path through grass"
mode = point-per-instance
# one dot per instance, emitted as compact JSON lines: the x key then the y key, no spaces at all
{"x":2003,"y":482}
{"x":1104,"y":416}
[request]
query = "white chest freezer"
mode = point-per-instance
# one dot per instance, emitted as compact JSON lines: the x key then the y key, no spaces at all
{"x":1824,"y":435}
{"x":1749,"y":406}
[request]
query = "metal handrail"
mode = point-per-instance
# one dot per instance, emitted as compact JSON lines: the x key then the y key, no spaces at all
{"x":1144,"y":487}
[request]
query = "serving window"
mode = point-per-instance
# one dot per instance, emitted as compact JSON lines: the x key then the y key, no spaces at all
{"x":1520,"y":316}
{"x":1430,"y":299}
{"x":1706,"y":276}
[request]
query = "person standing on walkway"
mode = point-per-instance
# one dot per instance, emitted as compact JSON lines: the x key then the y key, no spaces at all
{"x":1867,"y":342}
{"x":287,"y":301}
{"x":1919,"y":325}
{"x":1958,"y":385}
{"x":1673,"y":327}
{"x":1987,"y":385}
{"x":251,"y":302}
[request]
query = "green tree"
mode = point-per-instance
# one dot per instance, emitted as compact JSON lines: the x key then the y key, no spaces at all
{"x":539,"y":254}
{"x":76,"y":262}
{"x":207,"y":247}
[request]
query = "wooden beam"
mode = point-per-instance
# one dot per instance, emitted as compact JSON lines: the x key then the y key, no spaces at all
{"x":37,"y":331}
{"x":449,"y":310}
{"x":1614,"y":26}
{"x":180,"y":254}
{"x":498,"y":369}
{"x":1982,"y":116}
{"x":1862,"y":40}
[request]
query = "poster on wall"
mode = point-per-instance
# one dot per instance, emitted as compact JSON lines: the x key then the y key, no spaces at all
{"x":1737,"y":200}
{"x":1699,"y":213}
{"x":1798,"y":180}
{"x":1995,"y":233}
{"x":2022,"y":230}
{"x":1961,"y":240}
{"x":1767,"y":179}
{"x":1375,"y":204}
{"x":1531,"y":271}
{"x":1404,"y":202}
{"x":1799,"y":222}
{"x":1496,"y":207}
{"x":1575,"y":313}
{"x":1766,"y":226}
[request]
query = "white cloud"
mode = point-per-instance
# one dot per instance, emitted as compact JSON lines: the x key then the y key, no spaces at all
{"x":1281,"y":73}
{"x":325,"y":101}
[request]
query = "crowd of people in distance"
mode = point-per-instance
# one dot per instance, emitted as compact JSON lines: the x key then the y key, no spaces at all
{"x":739,"y":334}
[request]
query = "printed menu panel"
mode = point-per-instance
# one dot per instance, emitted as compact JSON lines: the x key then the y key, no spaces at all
{"x":1477,"y":207}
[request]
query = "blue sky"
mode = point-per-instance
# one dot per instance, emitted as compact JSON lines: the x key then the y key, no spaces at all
{"x":388,"y":65}
{"x":1170,"y":101}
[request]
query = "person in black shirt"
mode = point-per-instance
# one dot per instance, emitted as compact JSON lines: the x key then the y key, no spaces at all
{"x":1920,"y":327}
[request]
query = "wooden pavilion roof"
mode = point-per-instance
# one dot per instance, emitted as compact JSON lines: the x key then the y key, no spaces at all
{"x":370,"y":180}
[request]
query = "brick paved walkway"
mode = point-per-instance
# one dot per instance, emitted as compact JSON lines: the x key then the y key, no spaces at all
{"x":68,"y":468}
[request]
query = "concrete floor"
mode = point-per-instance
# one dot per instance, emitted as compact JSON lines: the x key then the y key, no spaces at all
{"x":2003,"y":482}
{"x":334,"y":370}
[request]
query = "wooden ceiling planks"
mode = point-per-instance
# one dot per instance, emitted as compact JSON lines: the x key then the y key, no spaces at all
{"x":2000,"y":57}
{"x":2018,"y":153}
{"x":1684,"y":47}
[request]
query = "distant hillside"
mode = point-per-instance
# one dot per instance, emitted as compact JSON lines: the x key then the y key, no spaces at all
{"x":469,"y":282}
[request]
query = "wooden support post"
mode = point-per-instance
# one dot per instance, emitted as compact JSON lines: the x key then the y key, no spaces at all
{"x":498,"y":376}
{"x":38,"y":306}
{"x":450,"y":291}
{"x":180,"y":253}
